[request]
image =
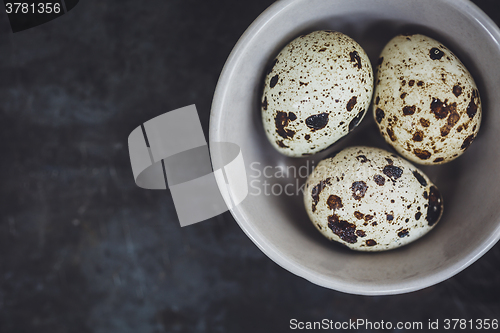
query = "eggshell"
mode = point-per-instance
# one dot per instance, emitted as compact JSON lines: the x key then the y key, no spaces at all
{"x":316,"y":91}
{"x":371,"y":200}
{"x":426,"y":104}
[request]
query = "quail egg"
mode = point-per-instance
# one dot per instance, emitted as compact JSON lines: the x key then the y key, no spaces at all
{"x":316,"y":91}
{"x":426,"y":104}
{"x":371,"y":200}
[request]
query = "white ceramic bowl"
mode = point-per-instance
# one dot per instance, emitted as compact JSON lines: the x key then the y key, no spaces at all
{"x":470,"y":185}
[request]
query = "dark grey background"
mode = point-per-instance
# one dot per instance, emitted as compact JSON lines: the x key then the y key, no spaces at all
{"x":82,"y":249}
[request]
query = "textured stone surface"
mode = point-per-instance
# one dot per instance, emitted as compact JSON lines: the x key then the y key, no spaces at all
{"x":82,"y":249}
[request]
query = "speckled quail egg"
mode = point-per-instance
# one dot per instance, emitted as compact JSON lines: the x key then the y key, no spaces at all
{"x":371,"y":200}
{"x":427,"y":105}
{"x":316,"y":91}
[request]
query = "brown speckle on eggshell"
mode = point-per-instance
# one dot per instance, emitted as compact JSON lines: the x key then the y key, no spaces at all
{"x":438,"y":114}
{"x":373,"y":203}
{"x":325,"y":80}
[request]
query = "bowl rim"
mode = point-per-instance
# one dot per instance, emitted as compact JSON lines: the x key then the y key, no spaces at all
{"x":272,"y":251}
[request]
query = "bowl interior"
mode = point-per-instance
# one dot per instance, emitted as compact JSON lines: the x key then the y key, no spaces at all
{"x":273,"y":214}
